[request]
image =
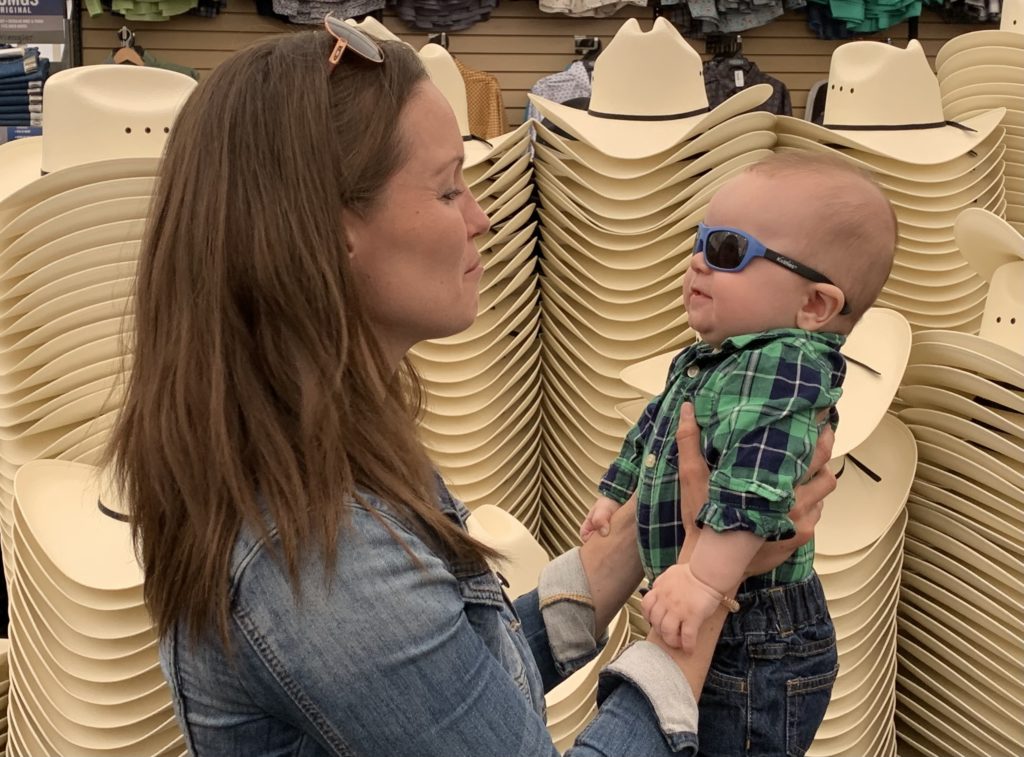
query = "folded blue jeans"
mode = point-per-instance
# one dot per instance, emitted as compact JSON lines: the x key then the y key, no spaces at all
{"x":771,"y":676}
{"x":18,"y":66}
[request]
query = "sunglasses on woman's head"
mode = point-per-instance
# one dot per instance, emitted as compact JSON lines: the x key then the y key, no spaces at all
{"x":731,"y":250}
{"x":348,"y":37}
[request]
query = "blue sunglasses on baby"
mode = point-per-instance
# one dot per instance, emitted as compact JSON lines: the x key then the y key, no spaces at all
{"x":731,"y":250}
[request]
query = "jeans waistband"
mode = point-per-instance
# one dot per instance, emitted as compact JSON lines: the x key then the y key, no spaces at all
{"x":779,"y":609}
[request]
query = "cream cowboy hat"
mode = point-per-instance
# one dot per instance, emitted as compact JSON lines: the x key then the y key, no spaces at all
{"x":981,"y":74}
{"x":610,"y":284}
{"x":78,"y":176}
{"x":882,"y":468}
{"x":984,"y":644}
{"x":445,"y":75}
{"x":103,"y":112}
{"x":659,"y":188}
{"x":523,"y":557}
{"x":936,"y":675}
{"x":580,"y":154}
{"x":20,"y":159}
{"x":1010,"y":34}
{"x":886,"y":100}
{"x":634,"y":113}
{"x":987,"y":55}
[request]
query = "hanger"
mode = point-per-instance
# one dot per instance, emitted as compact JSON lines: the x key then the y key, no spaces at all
{"x":438,"y":38}
{"x":588,"y":48}
{"x":127,"y":52}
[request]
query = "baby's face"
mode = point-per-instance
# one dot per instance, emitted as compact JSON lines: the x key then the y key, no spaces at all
{"x":764,"y":295}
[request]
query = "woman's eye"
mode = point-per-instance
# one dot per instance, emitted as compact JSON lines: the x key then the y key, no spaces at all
{"x":451,"y":194}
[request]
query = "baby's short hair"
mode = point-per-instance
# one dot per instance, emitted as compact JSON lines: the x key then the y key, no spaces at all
{"x":856,"y":241}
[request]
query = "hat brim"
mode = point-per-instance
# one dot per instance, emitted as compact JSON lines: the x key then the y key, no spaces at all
{"x":628,"y":139}
{"x":995,"y":55}
{"x":573,"y":150}
{"x":21,"y":159}
{"x":923,"y":147}
{"x":980,"y":39}
{"x":987,"y":241}
{"x":478,"y":151}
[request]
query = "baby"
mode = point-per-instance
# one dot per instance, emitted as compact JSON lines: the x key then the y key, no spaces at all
{"x":792,"y":252}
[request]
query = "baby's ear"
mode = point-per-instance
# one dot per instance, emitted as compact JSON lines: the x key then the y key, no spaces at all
{"x":822,"y":304}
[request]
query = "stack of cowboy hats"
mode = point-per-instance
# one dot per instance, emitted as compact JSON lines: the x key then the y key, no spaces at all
{"x":68,"y":245}
{"x":622,"y":187}
{"x":859,"y":541}
{"x":482,"y":419}
{"x":884,"y":114}
{"x":982,"y":70}
{"x":961,"y":641}
{"x":85,"y":674}
{"x":572,"y":704}
{"x":5,"y":688}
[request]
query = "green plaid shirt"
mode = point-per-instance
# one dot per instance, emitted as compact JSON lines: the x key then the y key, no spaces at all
{"x":756,"y":400}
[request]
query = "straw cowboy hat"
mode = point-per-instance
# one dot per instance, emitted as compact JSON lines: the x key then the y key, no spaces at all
{"x":635,"y":111}
{"x":1009,"y":35}
{"x":20,"y":159}
{"x":523,"y":557}
{"x":995,"y":250}
{"x":445,"y":75}
{"x":96,"y":113}
{"x":886,"y":101}
{"x":987,"y":241}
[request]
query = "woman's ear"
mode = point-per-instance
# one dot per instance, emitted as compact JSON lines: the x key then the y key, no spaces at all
{"x":350,"y":232}
{"x":822,"y":304}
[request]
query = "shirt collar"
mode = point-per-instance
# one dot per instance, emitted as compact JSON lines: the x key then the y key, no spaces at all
{"x":743,"y":341}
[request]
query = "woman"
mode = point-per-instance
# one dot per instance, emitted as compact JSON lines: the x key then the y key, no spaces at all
{"x":313,"y":585}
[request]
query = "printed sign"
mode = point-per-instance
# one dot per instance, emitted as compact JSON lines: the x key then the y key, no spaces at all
{"x":24,"y":21}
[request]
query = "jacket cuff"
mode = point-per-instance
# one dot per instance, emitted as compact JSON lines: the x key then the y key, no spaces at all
{"x":568,"y":611}
{"x":651,"y":671}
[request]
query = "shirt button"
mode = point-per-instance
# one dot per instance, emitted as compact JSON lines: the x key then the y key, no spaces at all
{"x":692,"y":371}
{"x":650,"y":460}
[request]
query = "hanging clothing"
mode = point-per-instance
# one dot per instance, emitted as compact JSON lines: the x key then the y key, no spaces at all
{"x":151,"y":60}
{"x":570,"y":84}
{"x":723,"y":79}
{"x":483,"y":97}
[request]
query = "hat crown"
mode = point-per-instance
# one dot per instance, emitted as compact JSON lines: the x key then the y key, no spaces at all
{"x":446,"y":77}
{"x":1012,"y":18}
{"x":877,"y":84}
{"x":106,"y":112}
{"x":629,"y":76}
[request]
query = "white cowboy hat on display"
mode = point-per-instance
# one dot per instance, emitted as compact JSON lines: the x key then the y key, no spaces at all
{"x":634,"y":114}
{"x":109,"y":112}
{"x":20,"y":159}
{"x":69,"y":568}
{"x":1010,"y":35}
{"x":886,"y":100}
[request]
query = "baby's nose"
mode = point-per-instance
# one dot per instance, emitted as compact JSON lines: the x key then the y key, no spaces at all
{"x":698,"y":264}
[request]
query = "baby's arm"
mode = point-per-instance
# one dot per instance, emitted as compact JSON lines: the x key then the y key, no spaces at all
{"x":599,"y":518}
{"x":689,"y":594}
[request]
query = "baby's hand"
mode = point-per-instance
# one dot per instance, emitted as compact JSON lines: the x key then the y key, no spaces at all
{"x":599,"y":518}
{"x":677,"y":605}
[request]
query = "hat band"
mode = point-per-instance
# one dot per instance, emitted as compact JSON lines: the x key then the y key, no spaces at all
{"x":630,"y":117}
{"x":111,"y":513}
{"x":896,"y":127}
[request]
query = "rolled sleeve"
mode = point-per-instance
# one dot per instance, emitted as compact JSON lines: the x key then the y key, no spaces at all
{"x":641,"y":679}
{"x":568,"y":611}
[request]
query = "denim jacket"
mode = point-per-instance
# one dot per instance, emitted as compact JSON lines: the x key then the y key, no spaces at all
{"x":386,"y":658}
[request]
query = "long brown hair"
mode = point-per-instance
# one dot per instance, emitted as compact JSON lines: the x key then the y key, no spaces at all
{"x":258,"y":394}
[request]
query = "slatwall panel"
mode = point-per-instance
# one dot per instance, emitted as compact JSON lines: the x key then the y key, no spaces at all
{"x":519,"y":44}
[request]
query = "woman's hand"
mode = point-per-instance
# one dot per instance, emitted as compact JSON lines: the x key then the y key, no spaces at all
{"x":805,"y":513}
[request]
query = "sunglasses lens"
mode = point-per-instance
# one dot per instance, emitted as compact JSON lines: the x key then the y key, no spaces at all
{"x":725,"y":250}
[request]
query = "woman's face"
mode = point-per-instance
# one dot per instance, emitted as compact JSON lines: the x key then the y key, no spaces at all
{"x":413,"y":254}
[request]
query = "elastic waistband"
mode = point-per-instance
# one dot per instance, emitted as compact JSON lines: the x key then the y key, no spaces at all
{"x":779,"y":609}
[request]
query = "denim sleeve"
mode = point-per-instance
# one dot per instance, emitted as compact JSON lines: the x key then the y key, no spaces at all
{"x":381,"y":658}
